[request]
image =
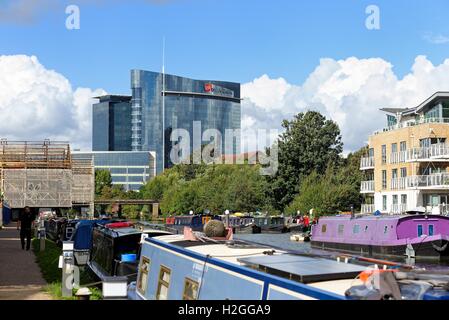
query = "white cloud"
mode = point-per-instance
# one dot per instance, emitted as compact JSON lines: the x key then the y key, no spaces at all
{"x":349,"y":91}
{"x":436,"y":38}
{"x":37,"y":103}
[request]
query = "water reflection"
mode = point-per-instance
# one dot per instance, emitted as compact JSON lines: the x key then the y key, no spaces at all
{"x":282,"y":241}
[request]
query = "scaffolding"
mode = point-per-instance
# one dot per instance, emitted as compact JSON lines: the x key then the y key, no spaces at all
{"x":43,"y":174}
{"x":83,"y":183}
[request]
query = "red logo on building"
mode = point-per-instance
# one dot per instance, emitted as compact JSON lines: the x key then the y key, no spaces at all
{"x":209,"y":87}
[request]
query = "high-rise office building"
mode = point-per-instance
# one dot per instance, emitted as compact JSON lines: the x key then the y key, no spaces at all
{"x":162,"y":103}
{"x":111,"y":130}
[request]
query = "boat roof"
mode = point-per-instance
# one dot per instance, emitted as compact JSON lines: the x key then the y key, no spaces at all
{"x":300,"y":268}
{"x":303,"y":268}
{"x":229,"y":253}
{"x":119,"y":232}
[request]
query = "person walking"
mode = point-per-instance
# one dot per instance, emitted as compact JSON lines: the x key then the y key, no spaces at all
{"x":26,"y":221}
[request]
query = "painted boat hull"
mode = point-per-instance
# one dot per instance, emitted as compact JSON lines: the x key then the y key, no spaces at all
{"x":435,"y":249}
{"x":250,"y":229}
{"x":274,"y":229}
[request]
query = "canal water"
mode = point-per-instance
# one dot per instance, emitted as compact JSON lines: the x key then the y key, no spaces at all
{"x":282,"y":241}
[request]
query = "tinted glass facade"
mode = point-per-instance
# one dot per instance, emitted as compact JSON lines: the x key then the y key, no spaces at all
{"x":215,"y":104}
{"x":129,"y":169}
{"x":111,"y":130}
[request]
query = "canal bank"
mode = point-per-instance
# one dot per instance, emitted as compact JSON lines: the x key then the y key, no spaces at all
{"x":20,"y":276}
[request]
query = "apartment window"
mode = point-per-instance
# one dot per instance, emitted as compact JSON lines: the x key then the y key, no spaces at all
{"x":394,"y":173}
{"x":143,"y":275}
{"x":403,"y":172}
{"x":371,"y":152}
{"x":403,"y":146}
{"x":403,"y":198}
{"x":384,"y":203}
{"x":394,"y":147}
{"x":384,"y":179}
{"x":190,"y":290}
{"x":384,"y":154}
{"x":395,"y":199}
{"x":163,"y":283}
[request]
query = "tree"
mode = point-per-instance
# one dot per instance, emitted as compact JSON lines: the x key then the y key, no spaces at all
{"x":102,"y":179}
{"x":131,"y":211}
{"x":309,"y":143}
{"x":336,"y":190}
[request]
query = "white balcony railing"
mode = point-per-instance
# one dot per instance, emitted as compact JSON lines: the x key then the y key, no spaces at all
{"x":435,"y":151}
{"x":397,"y":208}
{"x":398,"y":157}
{"x":367,"y":208}
{"x":411,"y":123}
{"x":367,"y":186}
{"x":398,"y":183}
{"x":436,"y":180}
{"x":366,"y":163}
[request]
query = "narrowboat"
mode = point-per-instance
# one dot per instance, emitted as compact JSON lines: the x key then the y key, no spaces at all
{"x":81,"y":236}
{"x":242,"y":224}
{"x":271,"y":224}
{"x":55,"y":229}
{"x":418,"y":236}
{"x":116,"y":249}
{"x":178,"y":267}
{"x":196,"y":222}
{"x":192,"y":266}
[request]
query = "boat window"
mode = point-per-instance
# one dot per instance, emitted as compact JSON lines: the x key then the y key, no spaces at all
{"x":419,"y":230}
{"x":163,"y":283}
{"x":341,"y":228}
{"x":356,"y":228}
{"x":323,"y":228}
{"x":385,"y":229}
{"x":190,"y":290}
{"x":142,"y":281}
{"x":430,"y":229}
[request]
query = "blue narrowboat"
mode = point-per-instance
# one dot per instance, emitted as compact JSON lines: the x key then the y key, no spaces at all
{"x":116,"y":249}
{"x":174,"y":268}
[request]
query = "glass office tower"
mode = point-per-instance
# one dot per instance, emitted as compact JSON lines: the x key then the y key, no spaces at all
{"x":111,"y":129}
{"x":129,"y":169}
{"x":161,"y":103}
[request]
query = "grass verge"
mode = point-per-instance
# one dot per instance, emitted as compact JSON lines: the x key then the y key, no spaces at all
{"x":48,"y":263}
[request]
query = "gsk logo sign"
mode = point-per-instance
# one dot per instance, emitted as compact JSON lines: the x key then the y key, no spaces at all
{"x":209,"y":87}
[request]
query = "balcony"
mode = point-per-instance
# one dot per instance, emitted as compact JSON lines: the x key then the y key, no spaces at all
{"x":432,"y":181}
{"x":397,"y":208}
{"x":367,"y":186}
{"x":436,"y":152}
{"x":398,"y":183}
{"x":366,"y":163}
{"x":398,"y":157}
{"x":367,"y":208}
{"x":412,"y":123}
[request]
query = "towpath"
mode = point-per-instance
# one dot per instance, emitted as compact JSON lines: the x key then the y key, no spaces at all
{"x":20,"y":277}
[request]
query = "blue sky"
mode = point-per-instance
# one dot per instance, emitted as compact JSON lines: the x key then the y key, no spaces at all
{"x":228,"y":40}
{"x":289,"y":55}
